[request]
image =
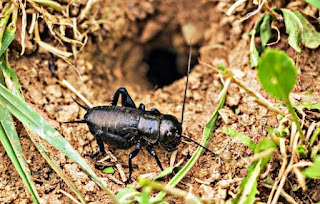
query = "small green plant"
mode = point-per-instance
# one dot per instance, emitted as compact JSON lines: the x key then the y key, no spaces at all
{"x":248,"y":187}
{"x":277,"y":75}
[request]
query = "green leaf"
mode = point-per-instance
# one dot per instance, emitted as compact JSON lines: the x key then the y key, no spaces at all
{"x":167,"y":171}
{"x":294,"y":29}
{"x":109,"y":170}
{"x":315,"y":3}
{"x":10,"y":76}
{"x":127,"y":195}
{"x":310,"y":37}
{"x":222,"y":68}
{"x":277,"y":74}
{"x":254,"y":54}
{"x":269,"y":180}
{"x":240,"y":137}
{"x":263,"y":145}
{"x":144,"y":198}
{"x":314,"y":136}
{"x":279,"y":117}
{"x":33,"y":121}
{"x":248,"y":187}
{"x":314,"y":170}
{"x":302,"y":151}
{"x":265,"y":30}
{"x":7,"y":38}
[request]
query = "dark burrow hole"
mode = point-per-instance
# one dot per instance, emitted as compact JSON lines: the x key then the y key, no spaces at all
{"x":166,"y":65}
{"x":166,"y":56}
{"x":162,"y":67}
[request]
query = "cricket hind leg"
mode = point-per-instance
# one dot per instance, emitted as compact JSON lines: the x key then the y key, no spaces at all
{"x":101,"y":148}
{"x":126,"y":99}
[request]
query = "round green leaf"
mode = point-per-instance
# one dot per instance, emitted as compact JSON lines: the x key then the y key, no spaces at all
{"x":276,"y":73}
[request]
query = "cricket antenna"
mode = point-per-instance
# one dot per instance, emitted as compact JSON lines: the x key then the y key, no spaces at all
{"x":78,"y":121}
{"x":184,"y":102}
{"x":186,"y":87}
{"x":79,"y":104}
{"x":191,"y":140}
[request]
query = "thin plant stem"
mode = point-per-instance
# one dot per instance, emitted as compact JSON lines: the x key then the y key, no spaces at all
{"x":283,"y":194}
{"x":267,"y":8}
{"x":49,"y":3}
{"x":296,"y":121}
{"x":171,"y":190}
{"x":259,"y":99}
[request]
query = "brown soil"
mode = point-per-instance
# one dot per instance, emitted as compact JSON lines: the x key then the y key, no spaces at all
{"x":112,"y":58}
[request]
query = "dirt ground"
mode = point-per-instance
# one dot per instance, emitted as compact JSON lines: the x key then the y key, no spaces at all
{"x":114,"y":57}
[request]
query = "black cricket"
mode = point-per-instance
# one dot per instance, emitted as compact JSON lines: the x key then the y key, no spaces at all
{"x":125,"y":126}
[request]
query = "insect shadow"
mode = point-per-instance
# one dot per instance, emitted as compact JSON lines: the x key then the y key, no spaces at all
{"x":125,"y":126}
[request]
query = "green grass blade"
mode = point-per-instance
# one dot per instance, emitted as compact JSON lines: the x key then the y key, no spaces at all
{"x":54,"y":165}
{"x":314,"y":137}
{"x":10,"y":77}
{"x":6,"y":40}
{"x":25,"y":175}
{"x":127,"y":195}
{"x":14,"y":143}
{"x":248,"y":188}
{"x":33,"y":121}
{"x":167,"y":171}
{"x":12,"y":82}
{"x":240,"y":137}
{"x":315,"y":3}
{"x":207,"y":135}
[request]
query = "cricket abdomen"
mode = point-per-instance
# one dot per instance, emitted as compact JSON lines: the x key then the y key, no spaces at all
{"x":112,"y":119}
